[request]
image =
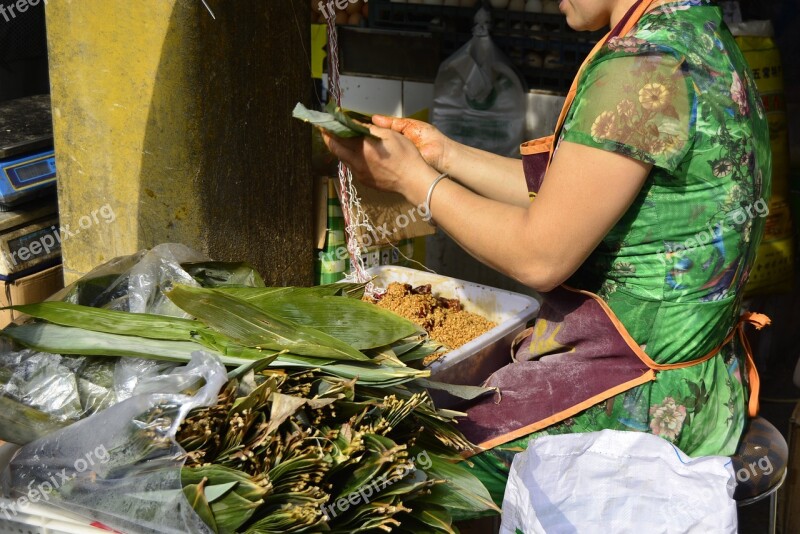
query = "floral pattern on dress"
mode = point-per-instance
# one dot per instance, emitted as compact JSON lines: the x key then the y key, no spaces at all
{"x":675,"y":92}
{"x":666,"y":419}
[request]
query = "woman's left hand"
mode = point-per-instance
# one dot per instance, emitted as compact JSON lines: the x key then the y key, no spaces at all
{"x":389,"y":163}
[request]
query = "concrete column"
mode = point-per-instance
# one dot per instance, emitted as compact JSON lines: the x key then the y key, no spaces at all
{"x":180,"y":125}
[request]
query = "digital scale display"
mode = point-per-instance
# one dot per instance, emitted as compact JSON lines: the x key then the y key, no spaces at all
{"x":25,"y":175}
{"x":30,"y":173}
{"x":35,"y":172}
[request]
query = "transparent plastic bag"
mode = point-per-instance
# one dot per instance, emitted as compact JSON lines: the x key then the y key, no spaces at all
{"x":136,"y":283}
{"x":51,"y":391}
{"x":46,"y":391}
{"x":121,"y":467}
{"x":479,"y":99}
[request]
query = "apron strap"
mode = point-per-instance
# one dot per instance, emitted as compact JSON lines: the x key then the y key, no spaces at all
{"x":625,"y":25}
{"x":759,"y":321}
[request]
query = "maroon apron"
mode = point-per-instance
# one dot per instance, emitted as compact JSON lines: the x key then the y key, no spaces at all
{"x":578,"y":353}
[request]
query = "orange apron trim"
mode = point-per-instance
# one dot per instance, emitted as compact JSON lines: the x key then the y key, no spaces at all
{"x":758,"y":320}
{"x":537,"y":146}
{"x":560,"y":416}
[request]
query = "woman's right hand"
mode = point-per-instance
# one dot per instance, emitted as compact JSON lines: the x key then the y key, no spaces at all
{"x":430,"y":142}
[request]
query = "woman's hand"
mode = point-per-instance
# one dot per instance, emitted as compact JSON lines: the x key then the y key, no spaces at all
{"x":389,"y":163}
{"x":430,"y":142}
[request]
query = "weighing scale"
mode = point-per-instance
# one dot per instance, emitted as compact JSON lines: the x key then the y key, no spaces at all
{"x":27,"y":160}
{"x":28,"y":208}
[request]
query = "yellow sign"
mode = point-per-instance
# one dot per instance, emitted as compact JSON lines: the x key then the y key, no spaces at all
{"x":319,"y":39}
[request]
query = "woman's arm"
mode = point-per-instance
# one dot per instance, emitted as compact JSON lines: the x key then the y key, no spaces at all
{"x":492,"y":176}
{"x":586,"y":191}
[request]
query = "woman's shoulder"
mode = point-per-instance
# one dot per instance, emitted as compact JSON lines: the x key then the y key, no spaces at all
{"x":687,"y":30}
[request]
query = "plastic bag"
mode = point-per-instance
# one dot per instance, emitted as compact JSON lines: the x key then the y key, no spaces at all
{"x":53,"y":390}
{"x":479,"y":100}
{"x":136,"y":283}
{"x":64,"y":387}
{"x":121,"y":467}
{"x":619,"y":482}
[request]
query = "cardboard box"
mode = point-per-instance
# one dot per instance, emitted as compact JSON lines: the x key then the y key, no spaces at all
{"x":393,"y":219}
{"x":29,"y":289}
{"x":789,"y":499}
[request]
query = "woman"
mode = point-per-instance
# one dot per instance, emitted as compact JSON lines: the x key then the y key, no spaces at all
{"x":651,"y":211}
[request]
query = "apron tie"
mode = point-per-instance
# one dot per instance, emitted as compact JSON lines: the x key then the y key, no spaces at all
{"x":759,"y":321}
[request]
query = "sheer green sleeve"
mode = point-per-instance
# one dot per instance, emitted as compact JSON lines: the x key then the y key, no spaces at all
{"x":636,"y":101}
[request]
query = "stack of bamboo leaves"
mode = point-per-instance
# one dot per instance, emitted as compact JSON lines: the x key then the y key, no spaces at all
{"x":316,"y":327}
{"x":323,"y":401}
{"x":307,"y":452}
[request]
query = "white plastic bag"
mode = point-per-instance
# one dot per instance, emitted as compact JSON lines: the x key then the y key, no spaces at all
{"x":122,"y":466}
{"x":479,"y":100}
{"x":620,"y":482}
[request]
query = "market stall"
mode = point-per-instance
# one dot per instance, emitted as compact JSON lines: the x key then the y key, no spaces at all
{"x":295,"y":267}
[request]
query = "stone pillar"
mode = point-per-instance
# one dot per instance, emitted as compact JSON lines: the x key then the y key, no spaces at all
{"x":173,"y":126}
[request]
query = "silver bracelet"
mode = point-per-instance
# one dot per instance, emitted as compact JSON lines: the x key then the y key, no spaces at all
{"x":429,"y":215}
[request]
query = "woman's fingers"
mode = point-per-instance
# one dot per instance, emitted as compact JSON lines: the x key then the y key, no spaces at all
{"x":343,"y":149}
{"x":382,"y":121}
{"x":392,"y":123}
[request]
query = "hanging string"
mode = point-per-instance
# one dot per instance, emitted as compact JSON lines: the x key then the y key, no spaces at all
{"x":355,"y":218}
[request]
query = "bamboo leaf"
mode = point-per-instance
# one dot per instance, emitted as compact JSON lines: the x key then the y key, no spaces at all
{"x":218,"y":474}
{"x":196,"y":497}
{"x":254,"y":327}
{"x":435,"y":517}
{"x":23,"y":424}
{"x":351,"y":119}
{"x":113,"y":322}
{"x":462,"y":490}
{"x":57,"y":339}
{"x":334,"y":121}
{"x":217,"y":491}
{"x":460,"y":391}
{"x":258,"y":295}
{"x":360,"y":324}
{"x":283,"y":407}
{"x":233,"y":511}
{"x":421,"y":352}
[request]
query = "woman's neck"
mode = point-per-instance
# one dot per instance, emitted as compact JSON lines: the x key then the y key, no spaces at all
{"x":619,"y":11}
{"x":623,"y":6}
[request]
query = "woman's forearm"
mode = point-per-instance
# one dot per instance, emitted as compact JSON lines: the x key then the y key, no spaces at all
{"x":489,"y":175}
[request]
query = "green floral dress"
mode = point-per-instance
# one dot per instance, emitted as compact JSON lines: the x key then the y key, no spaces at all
{"x":674,"y":92}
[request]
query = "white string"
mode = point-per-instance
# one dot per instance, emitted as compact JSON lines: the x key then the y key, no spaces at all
{"x":356,"y":219}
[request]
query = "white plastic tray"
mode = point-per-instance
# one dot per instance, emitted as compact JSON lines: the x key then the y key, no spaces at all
{"x":474,"y":362}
